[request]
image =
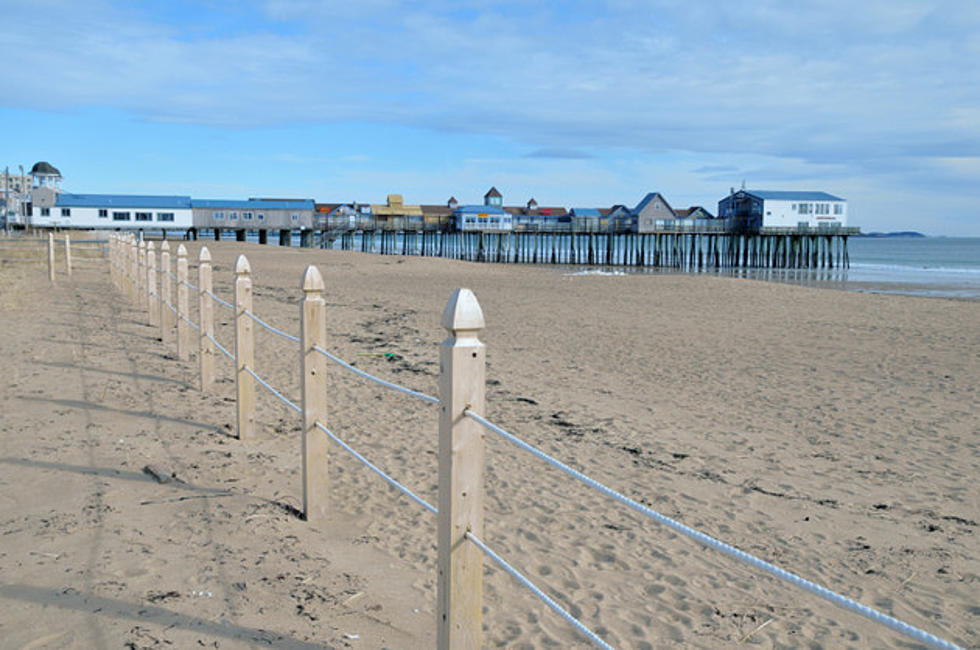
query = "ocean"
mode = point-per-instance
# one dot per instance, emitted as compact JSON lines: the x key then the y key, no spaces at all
{"x":944,"y":267}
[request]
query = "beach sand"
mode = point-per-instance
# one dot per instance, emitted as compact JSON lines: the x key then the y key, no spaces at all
{"x":835,"y":434}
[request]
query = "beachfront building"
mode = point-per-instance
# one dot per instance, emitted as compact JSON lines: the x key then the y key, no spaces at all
{"x":51,"y":209}
{"x":262,"y":215}
{"x":439,"y":216}
{"x":585,"y":219}
{"x":46,"y":175}
{"x":395,"y":215}
{"x":762,"y":209}
{"x":651,"y":210}
{"x":693,"y":212}
{"x":482,"y":218}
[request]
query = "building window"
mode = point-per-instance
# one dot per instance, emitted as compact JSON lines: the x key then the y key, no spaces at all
{"x":120,"y":216}
{"x":165,"y":216}
{"x":232,"y":216}
{"x":295,"y":217}
{"x":838,"y":208}
{"x":103,"y":213}
{"x":261,"y":217}
{"x":219,"y":216}
{"x":66,"y":212}
{"x":247,"y":216}
{"x":144,"y":216}
{"x":45,"y":212}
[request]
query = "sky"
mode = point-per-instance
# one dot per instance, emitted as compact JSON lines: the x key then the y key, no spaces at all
{"x":576,"y":104}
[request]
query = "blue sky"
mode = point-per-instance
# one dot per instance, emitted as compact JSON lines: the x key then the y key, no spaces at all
{"x":574,"y":103}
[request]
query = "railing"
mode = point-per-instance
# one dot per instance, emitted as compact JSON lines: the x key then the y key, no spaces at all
{"x":15,"y":250}
{"x":461,"y":402}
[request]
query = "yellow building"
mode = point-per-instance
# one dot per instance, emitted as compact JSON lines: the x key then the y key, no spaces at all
{"x":395,"y":215}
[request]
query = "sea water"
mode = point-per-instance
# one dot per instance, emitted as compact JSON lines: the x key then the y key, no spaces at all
{"x":947,"y":267}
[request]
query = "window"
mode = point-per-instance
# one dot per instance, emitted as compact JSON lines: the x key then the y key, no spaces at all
{"x":247,"y":216}
{"x":66,"y":212}
{"x":295,"y":217}
{"x":261,"y":217}
{"x":144,"y":216}
{"x":165,"y":216}
{"x":45,"y":212}
{"x":219,"y":216}
{"x":103,"y":213}
{"x":120,"y":216}
{"x":838,"y":208}
{"x":232,"y":216}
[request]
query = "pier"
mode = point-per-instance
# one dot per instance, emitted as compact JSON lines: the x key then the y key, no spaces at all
{"x":702,"y":248}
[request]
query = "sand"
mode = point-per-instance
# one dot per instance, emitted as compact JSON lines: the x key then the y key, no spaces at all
{"x":835,"y":434}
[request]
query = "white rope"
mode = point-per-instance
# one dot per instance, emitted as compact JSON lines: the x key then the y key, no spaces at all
{"x":399,"y":388}
{"x":190,"y":322}
{"x":833,"y":597}
{"x":190,"y":286}
{"x":169,"y":306}
{"x":272,"y":390}
{"x":172,"y":275}
{"x":220,"y":301}
{"x":220,"y":347}
{"x":374,"y":468}
{"x":592,"y":636}
{"x":270,"y":327}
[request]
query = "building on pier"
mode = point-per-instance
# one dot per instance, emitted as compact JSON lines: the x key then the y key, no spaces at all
{"x":49,"y":209}
{"x":482,"y":218}
{"x":395,"y":215}
{"x":585,"y":219}
{"x":693,"y":212}
{"x":753,"y":210}
{"x":439,"y":217}
{"x":652,"y":208}
{"x":253,"y":214}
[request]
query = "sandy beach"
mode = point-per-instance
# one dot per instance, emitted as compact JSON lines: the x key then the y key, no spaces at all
{"x":835,"y":434}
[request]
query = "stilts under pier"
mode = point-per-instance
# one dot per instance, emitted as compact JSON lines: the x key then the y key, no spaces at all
{"x":692,"y":250}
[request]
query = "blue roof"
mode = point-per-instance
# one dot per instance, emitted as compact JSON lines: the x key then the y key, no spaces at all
{"x":481,"y":209}
{"x":792,"y":196}
{"x":586,"y":212}
{"x":67,"y":200}
{"x":253,"y":204}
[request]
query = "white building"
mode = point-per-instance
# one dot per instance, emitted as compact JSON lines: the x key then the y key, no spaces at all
{"x":109,"y":211}
{"x":776,"y":209}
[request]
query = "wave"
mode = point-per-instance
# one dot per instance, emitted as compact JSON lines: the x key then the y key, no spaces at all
{"x":925,"y":268}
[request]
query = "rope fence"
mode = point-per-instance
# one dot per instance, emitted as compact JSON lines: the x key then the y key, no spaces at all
{"x":461,"y":400}
{"x":31,"y":250}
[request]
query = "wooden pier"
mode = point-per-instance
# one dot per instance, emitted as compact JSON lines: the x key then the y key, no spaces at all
{"x":685,"y":250}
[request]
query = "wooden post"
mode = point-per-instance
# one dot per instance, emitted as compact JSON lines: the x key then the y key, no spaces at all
{"x":314,"y":332}
{"x":244,"y":350}
{"x":51,"y":257}
{"x":141,"y":275}
{"x":131,"y":269}
{"x":206,"y":310}
{"x":153,"y":302}
{"x":68,"y":254}
{"x":183,"y":329}
{"x":462,"y":385}
{"x":166,"y":316}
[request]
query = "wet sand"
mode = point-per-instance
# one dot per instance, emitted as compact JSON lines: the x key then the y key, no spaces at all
{"x":832,"y":433}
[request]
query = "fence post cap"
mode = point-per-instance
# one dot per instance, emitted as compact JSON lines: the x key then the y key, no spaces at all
{"x":149,"y":245}
{"x":142,"y":243}
{"x":165,"y":246}
{"x":463,"y":312}
{"x":312,"y":280}
{"x":242,"y":266}
{"x":204,"y":255}
{"x":181,"y":251}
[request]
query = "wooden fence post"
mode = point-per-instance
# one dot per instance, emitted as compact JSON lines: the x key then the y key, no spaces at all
{"x":183,"y":329}
{"x":313,"y":331}
{"x":462,"y":385}
{"x":166,"y":316}
{"x":51,"y":257}
{"x":68,"y":254}
{"x":141,"y":274}
{"x":151,"y":285}
{"x":131,"y":270}
{"x":112,"y":260}
{"x":244,"y":350}
{"x":206,"y":310}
